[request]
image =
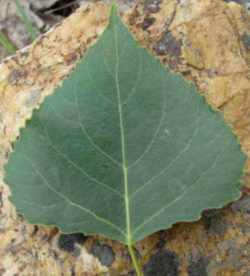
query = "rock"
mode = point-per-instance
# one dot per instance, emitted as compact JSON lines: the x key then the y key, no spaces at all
{"x":41,"y":4}
{"x":11,"y":22}
{"x":170,"y":46}
{"x":244,"y":3}
{"x":104,"y":253}
{"x":66,"y":242}
{"x":163,"y":263}
{"x":207,"y":41}
{"x":197,"y":267}
{"x":242,"y":206}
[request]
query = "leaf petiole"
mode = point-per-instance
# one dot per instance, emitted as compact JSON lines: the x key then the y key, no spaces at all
{"x":135,"y":260}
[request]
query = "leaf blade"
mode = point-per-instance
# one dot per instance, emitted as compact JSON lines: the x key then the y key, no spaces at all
{"x":120,"y":143}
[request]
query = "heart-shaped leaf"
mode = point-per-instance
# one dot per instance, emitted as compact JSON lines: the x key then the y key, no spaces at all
{"x":124,"y":148}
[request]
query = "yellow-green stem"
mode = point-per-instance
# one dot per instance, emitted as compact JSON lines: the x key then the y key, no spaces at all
{"x":135,"y":260}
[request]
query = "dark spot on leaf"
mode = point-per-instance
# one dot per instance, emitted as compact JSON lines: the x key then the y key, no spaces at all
{"x":104,"y":253}
{"x":246,"y":41}
{"x":147,"y":22}
{"x":197,"y":267}
{"x":163,"y":263}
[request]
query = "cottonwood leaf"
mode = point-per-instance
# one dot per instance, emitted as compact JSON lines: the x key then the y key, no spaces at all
{"x":124,"y":148}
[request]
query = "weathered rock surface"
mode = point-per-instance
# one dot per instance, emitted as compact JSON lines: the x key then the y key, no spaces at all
{"x":208,"y":42}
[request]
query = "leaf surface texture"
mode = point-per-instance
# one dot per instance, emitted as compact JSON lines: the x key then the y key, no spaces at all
{"x":124,"y":148}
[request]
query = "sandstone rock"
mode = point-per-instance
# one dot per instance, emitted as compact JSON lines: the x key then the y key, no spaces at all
{"x":205,"y":40}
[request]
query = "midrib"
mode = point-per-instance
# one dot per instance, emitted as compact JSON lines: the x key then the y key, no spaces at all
{"x":124,"y":166}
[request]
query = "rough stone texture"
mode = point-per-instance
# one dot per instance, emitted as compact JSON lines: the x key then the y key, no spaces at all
{"x":39,"y":5}
{"x":67,"y":242}
{"x":14,"y":28}
{"x":208,"y":42}
{"x":163,"y":263}
{"x":197,"y":267}
{"x":104,"y":253}
{"x":12,"y":24}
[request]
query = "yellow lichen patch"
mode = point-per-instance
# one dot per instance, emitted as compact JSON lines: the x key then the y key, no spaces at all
{"x":217,"y":48}
{"x":223,"y":89}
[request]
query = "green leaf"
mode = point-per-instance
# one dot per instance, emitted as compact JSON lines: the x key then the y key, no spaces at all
{"x":124,"y":148}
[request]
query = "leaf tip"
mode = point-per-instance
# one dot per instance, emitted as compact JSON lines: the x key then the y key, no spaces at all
{"x":113,"y":13}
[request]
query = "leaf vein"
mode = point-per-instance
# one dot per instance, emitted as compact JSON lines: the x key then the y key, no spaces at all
{"x":122,"y":135}
{"x":84,"y":131}
{"x":151,"y":180}
{"x":70,"y":201}
{"x":94,"y":86}
{"x":97,"y":182}
{"x":184,"y":192}
{"x":149,"y":146}
{"x":133,"y":91}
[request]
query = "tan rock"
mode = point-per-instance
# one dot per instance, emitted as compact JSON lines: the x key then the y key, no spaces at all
{"x":205,"y":40}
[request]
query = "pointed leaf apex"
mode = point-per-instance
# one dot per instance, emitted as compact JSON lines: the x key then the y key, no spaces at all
{"x":113,"y":13}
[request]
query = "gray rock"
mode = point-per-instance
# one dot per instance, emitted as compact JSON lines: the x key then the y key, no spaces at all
{"x":104,"y":253}
{"x":242,"y":205}
{"x":197,"y":267}
{"x":163,"y":263}
{"x":41,"y":4}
